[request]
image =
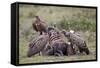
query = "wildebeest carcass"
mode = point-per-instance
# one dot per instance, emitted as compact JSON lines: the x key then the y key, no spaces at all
{"x":57,"y":43}
{"x":76,"y":40}
{"x":39,"y":25}
{"x":37,"y":44}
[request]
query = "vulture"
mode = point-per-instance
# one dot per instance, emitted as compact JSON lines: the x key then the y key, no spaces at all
{"x":57,"y":43}
{"x":39,"y":25}
{"x":37,"y":45}
{"x":76,"y":40}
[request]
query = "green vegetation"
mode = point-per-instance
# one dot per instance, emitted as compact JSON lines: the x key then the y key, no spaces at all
{"x":82,"y":20}
{"x":77,"y":25}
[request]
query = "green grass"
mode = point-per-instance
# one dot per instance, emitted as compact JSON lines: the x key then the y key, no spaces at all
{"x":81,"y":20}
{"x":41,"y":59}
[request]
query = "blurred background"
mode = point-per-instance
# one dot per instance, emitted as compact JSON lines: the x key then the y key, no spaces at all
{"x":81,"y":20}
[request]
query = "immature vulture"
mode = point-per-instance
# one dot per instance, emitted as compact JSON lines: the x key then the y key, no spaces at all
{"x":57,"y":43}
{"x":39,"y":25}
{"x":37,"y":45}
{"x":76,"y":40}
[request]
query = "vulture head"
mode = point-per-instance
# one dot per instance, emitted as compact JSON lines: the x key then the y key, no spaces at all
{"x":38,"y":18}
{"x":66,"y":34}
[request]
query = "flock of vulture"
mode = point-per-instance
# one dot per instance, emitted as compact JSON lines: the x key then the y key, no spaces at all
{"x":51,"y":41}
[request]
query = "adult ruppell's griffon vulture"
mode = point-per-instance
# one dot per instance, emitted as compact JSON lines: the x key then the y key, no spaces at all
{"x":76,"y":40}
{"x":37,"y":45}
{"x":39,"y":25}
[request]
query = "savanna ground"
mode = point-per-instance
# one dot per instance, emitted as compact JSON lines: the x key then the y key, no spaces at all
{"x":82,"y":20}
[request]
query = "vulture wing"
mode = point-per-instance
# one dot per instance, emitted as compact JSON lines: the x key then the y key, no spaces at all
{"x":38,"y":45}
